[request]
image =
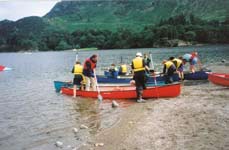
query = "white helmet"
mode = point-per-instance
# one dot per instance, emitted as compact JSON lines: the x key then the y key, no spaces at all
{"x":138,"y":54}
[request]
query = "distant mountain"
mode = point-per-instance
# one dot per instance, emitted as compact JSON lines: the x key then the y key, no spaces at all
{"x":132,"y":14}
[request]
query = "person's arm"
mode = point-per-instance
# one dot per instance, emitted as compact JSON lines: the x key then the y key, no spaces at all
{"x":143,"y":63}
{"x":132,"y":65}
{"x":73,"y":69}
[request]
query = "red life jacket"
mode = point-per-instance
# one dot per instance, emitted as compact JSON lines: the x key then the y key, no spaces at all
{"x":93,"y":65}
{"x":193,"y":55}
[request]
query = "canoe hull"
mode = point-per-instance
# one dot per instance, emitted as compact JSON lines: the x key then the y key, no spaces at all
{"x":59,"y":84}
{"x":172,"y":90}
{"x":219,"y":79}
{"x":199,"y":75}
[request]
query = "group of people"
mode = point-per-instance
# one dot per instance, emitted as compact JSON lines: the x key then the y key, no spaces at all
{"x":122,"y":69}
{"x":171,"y":66}
{"x":117,"y":70}
{"x":85,"y":76}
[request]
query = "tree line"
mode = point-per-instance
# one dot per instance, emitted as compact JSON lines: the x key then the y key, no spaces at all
{"x":165,"y":34}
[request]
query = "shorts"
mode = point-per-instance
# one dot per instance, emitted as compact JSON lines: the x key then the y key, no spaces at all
{"x":194,"y":61}
{"x":181,"y":68}
{"x":77,"y":80}
{"x":140,"y":79}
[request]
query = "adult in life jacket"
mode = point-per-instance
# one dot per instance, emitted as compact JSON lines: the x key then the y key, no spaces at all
{"x":168,"y":70}
{"x":193,"y":59}
{"x":88,"y":72}
{"x":138,"y":67}
{"x":79,"y":79}
{"x":123,"y":69}
{"x":179,"y":64}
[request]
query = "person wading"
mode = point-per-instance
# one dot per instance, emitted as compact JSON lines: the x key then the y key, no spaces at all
{"x":139,"y":77}
{"x":79,"y":79}
{"x":88,"y":72}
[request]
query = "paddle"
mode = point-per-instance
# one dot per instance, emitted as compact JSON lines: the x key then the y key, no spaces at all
{"x":77,"y":55}
{"x":100,"y":98}
{"x":154,"y":73}
{"x":75,"y":87}
{"x":151,"y":60}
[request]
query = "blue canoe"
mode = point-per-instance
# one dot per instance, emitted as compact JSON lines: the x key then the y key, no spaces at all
{"x":198,"y":75}
{"x":123,"y":79}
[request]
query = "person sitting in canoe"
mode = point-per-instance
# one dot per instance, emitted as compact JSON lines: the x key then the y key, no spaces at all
{"x":123,"y":69}
{"x":168,"y":70}
{"x":88,"y":72}
{"x":138,"y":66}
{"x":193,"y":59}
{"x":79,"y":79}
{"x":178,"y":62}
{"x":113,"y":71}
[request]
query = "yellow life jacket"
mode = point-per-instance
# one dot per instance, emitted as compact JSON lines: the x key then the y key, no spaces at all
{"x":138,"y":64}
{"x":168,"y":64}
{"x":78,"y":70}
{"x":179,"y":62}
{"x":124,"y":68}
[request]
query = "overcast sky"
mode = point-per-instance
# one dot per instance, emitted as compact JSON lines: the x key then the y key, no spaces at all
{"x":16,"y":9}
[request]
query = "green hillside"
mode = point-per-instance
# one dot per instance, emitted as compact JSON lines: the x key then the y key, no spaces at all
{"x":110,"y":24}
{"x":132,"y":14}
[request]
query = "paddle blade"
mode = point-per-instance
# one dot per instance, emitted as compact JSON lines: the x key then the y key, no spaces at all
{"x":100,"y":98}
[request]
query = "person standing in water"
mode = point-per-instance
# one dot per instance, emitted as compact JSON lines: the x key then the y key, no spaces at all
{"x":88,"y":72}
{"x":138,"y":66}
{"x":78,"y":80}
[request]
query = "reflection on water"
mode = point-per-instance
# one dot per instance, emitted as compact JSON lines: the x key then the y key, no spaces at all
{"x":34,"y":117}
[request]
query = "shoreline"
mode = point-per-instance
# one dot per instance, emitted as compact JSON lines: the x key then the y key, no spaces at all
{"x":71,"y":50}
{"x":197,"y":119}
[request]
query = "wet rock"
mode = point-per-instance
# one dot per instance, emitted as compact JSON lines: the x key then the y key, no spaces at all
{"x":223,"y":60}
{"x":131,"y":122}
{"x":59,"y":144}
{"x":69,"y":146}
{"x":114,"y":104}
{"x":75,"y":130}
{"x":83,"y":127}
{"x":99,"y":144}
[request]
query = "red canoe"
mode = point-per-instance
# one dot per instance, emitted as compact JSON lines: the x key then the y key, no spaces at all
{"x":219,"y":78}
{"x":128,"y":92}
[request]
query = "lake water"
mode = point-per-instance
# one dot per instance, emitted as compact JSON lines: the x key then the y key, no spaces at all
{"x":33,"y":116}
